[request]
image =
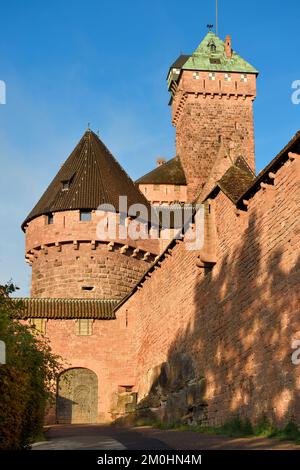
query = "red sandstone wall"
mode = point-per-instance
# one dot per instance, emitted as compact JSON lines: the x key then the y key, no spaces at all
{"x":200,"y":128}
{"x":107,"y":352}
{"x":164,"y":193}
{"x":205,"y":111}
{"x":65,"y":273}
{"x":237,"y":321}
{"x":68,"y":228}
{"x":67,"y":256}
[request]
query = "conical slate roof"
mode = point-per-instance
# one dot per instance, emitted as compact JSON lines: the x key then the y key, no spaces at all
{"x":92,"y":176}
{"x":170,"y":172}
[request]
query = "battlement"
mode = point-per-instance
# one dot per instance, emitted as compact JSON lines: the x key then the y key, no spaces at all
{"x":66,"y":227}
{"x":212,"y":85}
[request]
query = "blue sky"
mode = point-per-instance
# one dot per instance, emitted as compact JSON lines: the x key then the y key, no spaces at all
{"x":67,"y":63}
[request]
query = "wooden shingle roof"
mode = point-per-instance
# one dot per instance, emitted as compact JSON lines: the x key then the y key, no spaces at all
{"x":57,"y":309}
{"x":170,"y":172}
{"x":93,"y":177}
{"x":236,"y":179}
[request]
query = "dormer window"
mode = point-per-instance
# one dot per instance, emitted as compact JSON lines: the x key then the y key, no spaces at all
{"x":65,"y":185}
{"x":212,"y":47}
{"x":85,"y":216}
{"x":50,"y":219}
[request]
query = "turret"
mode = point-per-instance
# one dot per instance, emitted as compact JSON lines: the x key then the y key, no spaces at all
{"x":68,"y":257}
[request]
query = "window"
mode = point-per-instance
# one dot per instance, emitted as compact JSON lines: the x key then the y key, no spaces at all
{"x":84,"y":327}
{"x":39,"y":324}
{"x":177,"y":189}
{"x":156,"y":187}
{"x":85,"y":216}
{"x":65,"y":185}
{"x":227,"y":77}
{"x":88,"y":288}
{"x":196,"y":76}
{"x":244,"y":78}
{"x":214,"y":61}
{"x":212,"y":47}
{"x":212,"y":76}
{"x":50,"y":219}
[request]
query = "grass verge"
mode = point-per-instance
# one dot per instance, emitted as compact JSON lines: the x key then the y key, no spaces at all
{"x":237,"y":427}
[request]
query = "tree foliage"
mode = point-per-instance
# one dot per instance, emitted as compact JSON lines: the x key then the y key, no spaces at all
{"x":28,"y":378}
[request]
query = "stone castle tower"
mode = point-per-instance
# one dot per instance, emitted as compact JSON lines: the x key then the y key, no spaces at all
{"x":117,"y":310}
{"x":68,"y":259}
{"x":212,"y":94}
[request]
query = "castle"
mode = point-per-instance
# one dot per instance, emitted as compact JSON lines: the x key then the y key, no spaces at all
{"x":147,"y":327}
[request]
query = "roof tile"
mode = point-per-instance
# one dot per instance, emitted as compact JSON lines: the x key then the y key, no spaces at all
{"x":95,"y":177}
{"x":66,"y":308}
{"x":170,"y":172}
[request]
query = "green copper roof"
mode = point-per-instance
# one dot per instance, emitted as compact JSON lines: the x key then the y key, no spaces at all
{"x":205,"y":58}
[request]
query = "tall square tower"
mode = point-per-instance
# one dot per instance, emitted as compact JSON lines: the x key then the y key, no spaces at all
{"x":212,"y":94}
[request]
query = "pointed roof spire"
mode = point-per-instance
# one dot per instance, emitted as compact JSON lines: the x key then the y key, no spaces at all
{"x":89,"y":177}
{"x":212,"y":55}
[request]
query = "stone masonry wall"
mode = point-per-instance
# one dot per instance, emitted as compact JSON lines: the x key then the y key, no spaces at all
{"x":69,"y":260}
{"x":210,"y":113}
{"x":213,"y":343}
{"x":73,"y":272}
{"x":107,"y":352}
{"x":206,"y":122}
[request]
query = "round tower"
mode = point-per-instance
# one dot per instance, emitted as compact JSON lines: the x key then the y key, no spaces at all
{"x":68,"y":258}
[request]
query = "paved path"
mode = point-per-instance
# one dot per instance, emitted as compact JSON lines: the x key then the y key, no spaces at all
{"x":105,"y":437}
{"x":97,"y":437}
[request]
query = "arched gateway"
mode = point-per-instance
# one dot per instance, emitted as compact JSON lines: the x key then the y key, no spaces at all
{"x":77,"y":397}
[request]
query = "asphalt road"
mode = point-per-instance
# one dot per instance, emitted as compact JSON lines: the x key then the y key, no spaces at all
{"x":97,"y":437}
{"x":106,"y":437}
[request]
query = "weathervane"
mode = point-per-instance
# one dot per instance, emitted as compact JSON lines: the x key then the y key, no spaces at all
{"x":210,"y":26}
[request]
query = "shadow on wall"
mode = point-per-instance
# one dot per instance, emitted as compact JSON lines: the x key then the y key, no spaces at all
{"x":234,"y":357}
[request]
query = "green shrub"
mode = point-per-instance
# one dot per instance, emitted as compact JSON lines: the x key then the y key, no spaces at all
{"x":237,"y":427}
{"x":26,"y":380}
{"x":264,"y":428}
{"x":290,"y":432}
